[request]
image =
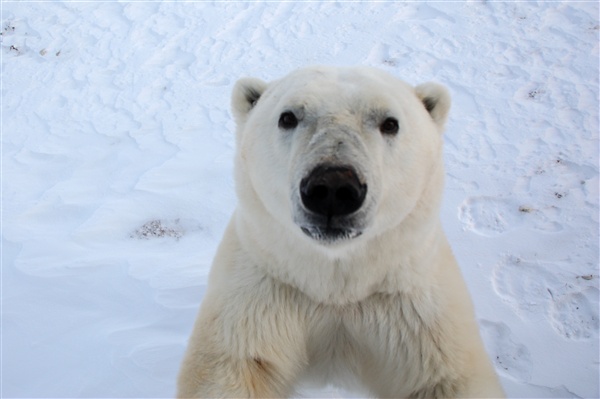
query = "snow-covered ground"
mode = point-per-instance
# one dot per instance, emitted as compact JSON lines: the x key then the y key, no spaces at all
{"x":117,"y":174}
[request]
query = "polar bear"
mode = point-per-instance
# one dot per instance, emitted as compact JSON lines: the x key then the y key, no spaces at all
{"x":334,"y":267}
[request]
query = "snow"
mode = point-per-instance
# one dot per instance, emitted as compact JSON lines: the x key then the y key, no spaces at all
{"x":117,"y":148}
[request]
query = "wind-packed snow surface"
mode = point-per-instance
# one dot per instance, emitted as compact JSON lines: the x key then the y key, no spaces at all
{"x":117,"y":174}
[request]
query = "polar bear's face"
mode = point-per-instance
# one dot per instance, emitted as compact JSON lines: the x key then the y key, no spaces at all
{"x":336,"y":154}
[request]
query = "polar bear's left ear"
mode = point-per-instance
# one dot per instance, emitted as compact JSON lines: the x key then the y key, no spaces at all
{"x":245,"y":95}
{"x":436,"y":100}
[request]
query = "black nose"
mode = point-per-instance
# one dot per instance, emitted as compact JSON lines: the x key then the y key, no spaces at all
{"x":332,"y":191}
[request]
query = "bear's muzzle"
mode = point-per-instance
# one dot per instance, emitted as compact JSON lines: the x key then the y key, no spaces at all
{"x":330,"y":194}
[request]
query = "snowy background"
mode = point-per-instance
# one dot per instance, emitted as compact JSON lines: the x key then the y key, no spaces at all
{"x":117,"y":153}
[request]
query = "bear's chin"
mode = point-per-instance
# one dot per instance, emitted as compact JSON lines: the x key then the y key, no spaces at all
{"x":330,"y":235}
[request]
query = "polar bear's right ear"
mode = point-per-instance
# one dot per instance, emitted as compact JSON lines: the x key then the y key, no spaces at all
{"x":246,"y":93}
{"x":436,"y":100}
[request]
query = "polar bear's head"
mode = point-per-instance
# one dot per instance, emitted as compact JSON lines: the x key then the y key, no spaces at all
{"x":337,"y":154}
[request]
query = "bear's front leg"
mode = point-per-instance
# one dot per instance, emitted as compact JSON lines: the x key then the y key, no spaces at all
{"x":218,"y":375}
{"x":247,"y":343}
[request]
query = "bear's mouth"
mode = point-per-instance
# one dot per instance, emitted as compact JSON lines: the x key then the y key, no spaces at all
{"x":330,"y":234}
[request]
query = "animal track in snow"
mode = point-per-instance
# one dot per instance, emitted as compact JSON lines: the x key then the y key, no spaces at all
{"x":536,"y":291}
{"x":527,"y":287}
{"x":487,"y":216}
{"x":491,"y":217}
{"x":574,"y":316}
{"x":508,"y":356}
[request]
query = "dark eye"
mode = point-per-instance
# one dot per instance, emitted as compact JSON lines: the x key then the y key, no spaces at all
{"x":389,"y":126}
{"x":288,"y":120}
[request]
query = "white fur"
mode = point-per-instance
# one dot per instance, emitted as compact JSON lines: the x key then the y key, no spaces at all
{"x":387,"y":311}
